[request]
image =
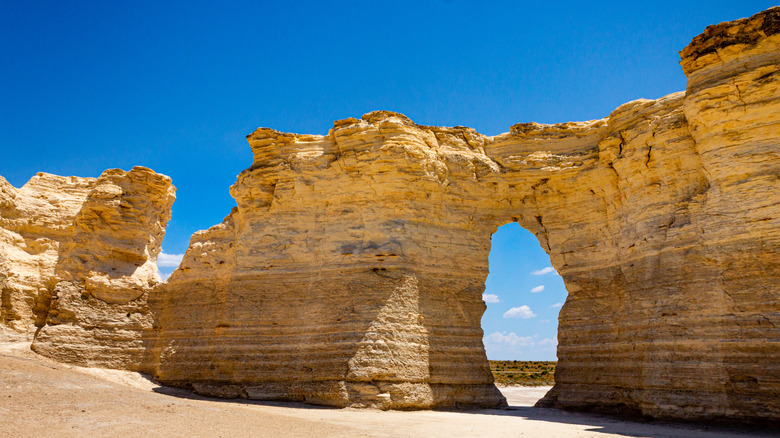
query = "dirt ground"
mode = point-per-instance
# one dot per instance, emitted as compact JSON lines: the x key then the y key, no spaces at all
{"x":43,"y":398}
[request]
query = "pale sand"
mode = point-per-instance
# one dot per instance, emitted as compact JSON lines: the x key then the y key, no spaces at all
{"x":42,"y":398}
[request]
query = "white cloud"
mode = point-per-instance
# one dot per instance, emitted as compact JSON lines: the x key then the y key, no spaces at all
{"x":169,"y":260}
{"x":165,"y":276}
{"x":556,"y":306}
{"x":546,"y":270}
{"x":544,"y":321}
{"x":537,"y":289}
{"x":523,"y":312}
{"x":490,"y":298}
{"x":510,"y":345}
{"x":508,"y":339}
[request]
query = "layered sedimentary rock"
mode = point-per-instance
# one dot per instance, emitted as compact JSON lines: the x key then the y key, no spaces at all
{"x":693,"y":305}
{"x":34,"y":223}
{"x":78,"y":259}
{"x":332,"y":280}
{"x":99,"y":314}
{"x":351,"y":271}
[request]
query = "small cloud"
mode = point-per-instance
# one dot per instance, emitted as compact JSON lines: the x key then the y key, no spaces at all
{"x":508,"y":339}
{"x":556,"y":306}
{"x":490,"y":298}
{"x":523,"y":312}
{"x":169,"y":260}
{"x":511,"y":346}
{"x":544,"y":321}
{"x":537,"y":289}
{"x":543,"y":271}
{"x":164,"y":276}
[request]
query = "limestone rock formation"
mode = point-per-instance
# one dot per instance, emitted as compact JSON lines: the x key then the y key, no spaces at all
{"x":78,"y":258}
{"x":34,"y":223}
{"x":331,"y":281}
{"x":351,"y":271}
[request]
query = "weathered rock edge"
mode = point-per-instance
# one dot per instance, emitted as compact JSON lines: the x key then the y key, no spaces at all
{"x":77,"y":261}
{"x":351,"y":271}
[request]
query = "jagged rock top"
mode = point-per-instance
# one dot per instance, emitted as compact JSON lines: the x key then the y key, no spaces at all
{"x":731,"y":37}
{"x":104,"y":233}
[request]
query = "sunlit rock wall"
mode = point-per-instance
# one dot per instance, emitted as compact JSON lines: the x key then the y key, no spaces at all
{"x":34,"y":224}
{"x":351,"y":271}
{"x":77,"y":259}
{"x":98,"y":314}
{"x":686,"y":323}
{"x":331,"y":281}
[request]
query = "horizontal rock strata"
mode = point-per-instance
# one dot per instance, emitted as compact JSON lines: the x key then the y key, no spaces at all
{"x":77,"y":259}
{"x":34,"y":223}
{"x":350,"y":272}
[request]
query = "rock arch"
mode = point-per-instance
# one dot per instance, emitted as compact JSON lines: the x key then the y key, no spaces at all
{"x":351,"y":271}
{"x":356,"y":261}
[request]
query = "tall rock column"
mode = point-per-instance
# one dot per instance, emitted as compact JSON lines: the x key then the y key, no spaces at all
{"x":733,"y":106}
{"x":330,"y":281}
{"x":34,"y":224}
{"x":106,"y":266}
{"x":351,"y":270}
{"x":682,"y":320}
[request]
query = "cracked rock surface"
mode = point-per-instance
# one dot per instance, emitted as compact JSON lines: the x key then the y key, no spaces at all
{"x":350,"y":273}
{"x":77,"y":260}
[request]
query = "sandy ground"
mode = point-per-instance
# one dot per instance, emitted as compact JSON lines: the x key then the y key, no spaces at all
{"x":43,"y":398}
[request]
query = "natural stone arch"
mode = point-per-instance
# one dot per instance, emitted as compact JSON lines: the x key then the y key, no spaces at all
{"x":351,"y":270}
{"x":383,"y":222}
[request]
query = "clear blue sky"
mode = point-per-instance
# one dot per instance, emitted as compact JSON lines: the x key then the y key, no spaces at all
{"x":176,"y":86}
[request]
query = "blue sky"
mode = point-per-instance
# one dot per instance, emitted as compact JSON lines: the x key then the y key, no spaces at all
{"x":176,"y":86}
{"x":523,"y":295}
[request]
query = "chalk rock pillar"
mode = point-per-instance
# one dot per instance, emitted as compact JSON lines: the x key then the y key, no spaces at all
{"x":98,"y":314}
{"x":331,"y":281}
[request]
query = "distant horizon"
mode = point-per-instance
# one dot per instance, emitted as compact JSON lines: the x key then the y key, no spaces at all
{"x":176,"y":87}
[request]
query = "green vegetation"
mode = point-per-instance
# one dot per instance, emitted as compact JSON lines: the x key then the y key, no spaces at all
{"x":522,"y":373}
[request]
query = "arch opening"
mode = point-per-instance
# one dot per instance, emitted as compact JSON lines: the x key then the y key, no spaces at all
{"x":523,"y":294}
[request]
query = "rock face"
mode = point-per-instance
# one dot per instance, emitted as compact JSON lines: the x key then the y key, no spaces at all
{"x":332,"y":281}
{"x":77,"y":259}
{"x":34,"y":222}
{"x":351,"y":271}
